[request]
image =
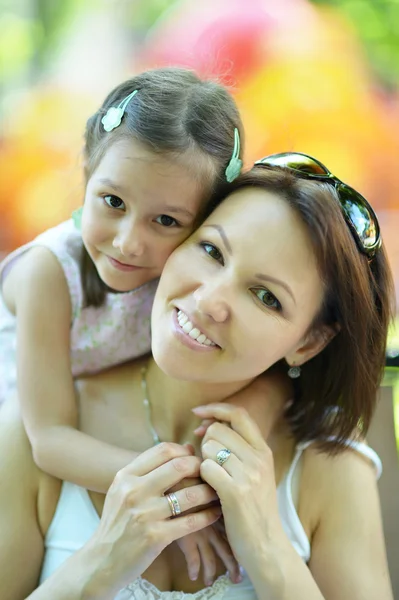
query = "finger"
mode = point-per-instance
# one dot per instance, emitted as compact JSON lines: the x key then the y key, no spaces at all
{"x":233,"y":465}
{"x":175,"y":529}
{"x":169,"y":474}
{"x":189,"y":547}
{"x":217,"y":477}
{"x":223,"y":550}
{"x":208,"y":559}
{"x":230,"y":439}
{"x":187,"y":499}
{"x":237,"y":417}
{"x":156,"y":456}
{"x":201,"y":429}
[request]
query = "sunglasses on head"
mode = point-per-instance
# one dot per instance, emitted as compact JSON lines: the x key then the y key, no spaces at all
{"x":359,"y":215}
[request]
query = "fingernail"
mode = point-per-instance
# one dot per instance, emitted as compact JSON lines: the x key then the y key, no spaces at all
{"x":208,"y":582}
{"x":193,"y":575}
{"x":199,"y":430}
{"x":198,"y":409}
{"x":189,"y":447}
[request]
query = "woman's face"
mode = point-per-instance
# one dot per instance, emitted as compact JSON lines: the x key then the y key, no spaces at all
{"x":239,"y":294}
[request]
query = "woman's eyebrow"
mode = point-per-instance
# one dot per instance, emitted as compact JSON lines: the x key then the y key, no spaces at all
{"x":223,"y":235}
{"x":268,"y":278}
{"x":271,"y":279}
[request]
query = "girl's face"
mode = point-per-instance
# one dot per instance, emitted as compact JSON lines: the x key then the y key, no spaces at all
{"x":138,"y":208}
{"x":239,"y":294}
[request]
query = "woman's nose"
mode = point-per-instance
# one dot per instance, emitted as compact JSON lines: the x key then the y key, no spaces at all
{"x":211,"y":300}
{"x":129,"y":240}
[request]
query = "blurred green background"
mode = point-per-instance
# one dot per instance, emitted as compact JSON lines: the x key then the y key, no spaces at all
{"x":320,"y":77}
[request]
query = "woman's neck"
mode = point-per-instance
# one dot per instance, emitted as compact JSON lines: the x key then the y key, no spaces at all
{"x":172,"y":400}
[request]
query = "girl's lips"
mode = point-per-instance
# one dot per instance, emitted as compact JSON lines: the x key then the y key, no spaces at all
{"x":185,"y":339}
{"x":121,"y":266}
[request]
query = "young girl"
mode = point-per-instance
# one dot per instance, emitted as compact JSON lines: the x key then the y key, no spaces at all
{"x":78,"y":298}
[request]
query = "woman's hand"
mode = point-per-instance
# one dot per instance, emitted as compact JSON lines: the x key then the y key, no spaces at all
{"x":245,"y":483}
{"x":136,"y":523}
{"x":265,"y":398}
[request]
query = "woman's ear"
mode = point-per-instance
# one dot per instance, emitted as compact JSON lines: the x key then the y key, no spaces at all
{"x":313,"y":344}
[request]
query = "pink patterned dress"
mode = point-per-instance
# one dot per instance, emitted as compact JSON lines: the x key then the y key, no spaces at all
{"x":100,"y":337}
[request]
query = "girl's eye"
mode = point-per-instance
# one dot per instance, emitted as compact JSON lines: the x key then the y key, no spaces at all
{"x":268,"y":299}
{"x":213,"y":252}
{"x":114,"y":201}
{"x":166,"y":221}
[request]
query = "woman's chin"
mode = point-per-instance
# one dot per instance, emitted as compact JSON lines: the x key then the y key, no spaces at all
{"x":169,"y":361}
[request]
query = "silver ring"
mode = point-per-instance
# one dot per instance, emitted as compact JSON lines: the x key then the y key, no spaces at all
{"x":173,"y":504}
{"x":222,"y":456}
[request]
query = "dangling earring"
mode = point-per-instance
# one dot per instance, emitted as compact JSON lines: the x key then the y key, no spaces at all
{"x":294,"y":372}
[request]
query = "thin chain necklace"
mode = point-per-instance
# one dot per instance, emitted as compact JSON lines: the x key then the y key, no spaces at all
{"x":147,"y":406}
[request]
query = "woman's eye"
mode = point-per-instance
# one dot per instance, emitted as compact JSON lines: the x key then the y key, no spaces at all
{"x":268,"y":299}
{"x":166,"y":221}
{"x":114,"y":201}
{"x":213,"y":252}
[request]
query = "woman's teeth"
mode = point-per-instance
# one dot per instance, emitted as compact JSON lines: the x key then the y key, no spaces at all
{"x":192,"y":331}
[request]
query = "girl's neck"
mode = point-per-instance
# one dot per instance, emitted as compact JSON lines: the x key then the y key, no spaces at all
{"x":172,"y":400}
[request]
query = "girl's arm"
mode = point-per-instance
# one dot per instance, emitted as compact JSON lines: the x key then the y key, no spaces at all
{"x":37,"y":292}
{"x":21,"y":540}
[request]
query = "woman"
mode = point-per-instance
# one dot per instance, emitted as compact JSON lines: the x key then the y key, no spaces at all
{"x":229,"y":306}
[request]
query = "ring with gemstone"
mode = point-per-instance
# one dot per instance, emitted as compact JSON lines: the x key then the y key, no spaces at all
{"x":173,"y":504}
{"x":222,"y":456}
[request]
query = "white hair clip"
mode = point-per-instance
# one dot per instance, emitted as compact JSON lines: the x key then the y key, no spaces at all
{"x":235,"y":165}
{"x":114,"y":114}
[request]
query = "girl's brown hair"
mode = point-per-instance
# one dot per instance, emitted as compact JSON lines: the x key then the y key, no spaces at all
{"x":174,"y":113}
{"x":335,"y":396}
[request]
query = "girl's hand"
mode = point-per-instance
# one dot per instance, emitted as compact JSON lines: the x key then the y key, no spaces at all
{"x":245,"y":483}
{"x":203,"y":547}
{"x":136,"y":523}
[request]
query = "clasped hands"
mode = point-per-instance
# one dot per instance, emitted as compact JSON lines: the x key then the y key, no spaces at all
{"x":136,"y":525}
{"x":247,"y":470}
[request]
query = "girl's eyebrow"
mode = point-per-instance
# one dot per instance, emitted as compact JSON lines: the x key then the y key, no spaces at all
{"x":121,"y":190}
{"x":179,"y":210}
{"x":109,"y":183}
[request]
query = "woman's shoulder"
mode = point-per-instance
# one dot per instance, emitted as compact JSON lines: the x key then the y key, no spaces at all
{"x":117,"y":379}
{"x":333,"y":482}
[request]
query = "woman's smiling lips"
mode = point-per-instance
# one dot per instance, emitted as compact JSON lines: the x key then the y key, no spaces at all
{"x":180,"y":320}
{"x":122,"y":266}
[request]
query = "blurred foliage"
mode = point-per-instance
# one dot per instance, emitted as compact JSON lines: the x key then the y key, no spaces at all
{"x":377,"y":24}
{"x":144,"y":13}
{"x":31,"y":28}
{"x":30,"y":32}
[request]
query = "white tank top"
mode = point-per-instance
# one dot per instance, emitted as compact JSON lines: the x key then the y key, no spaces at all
{"x":76,"y":519}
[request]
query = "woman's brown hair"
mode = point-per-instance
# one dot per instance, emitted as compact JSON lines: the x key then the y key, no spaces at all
{"x":174,"y":113}
{"x":335,"y":396}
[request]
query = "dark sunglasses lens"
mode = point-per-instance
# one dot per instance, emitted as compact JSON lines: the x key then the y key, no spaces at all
{"x":360,"y":217}
{"x":298,"y":162}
